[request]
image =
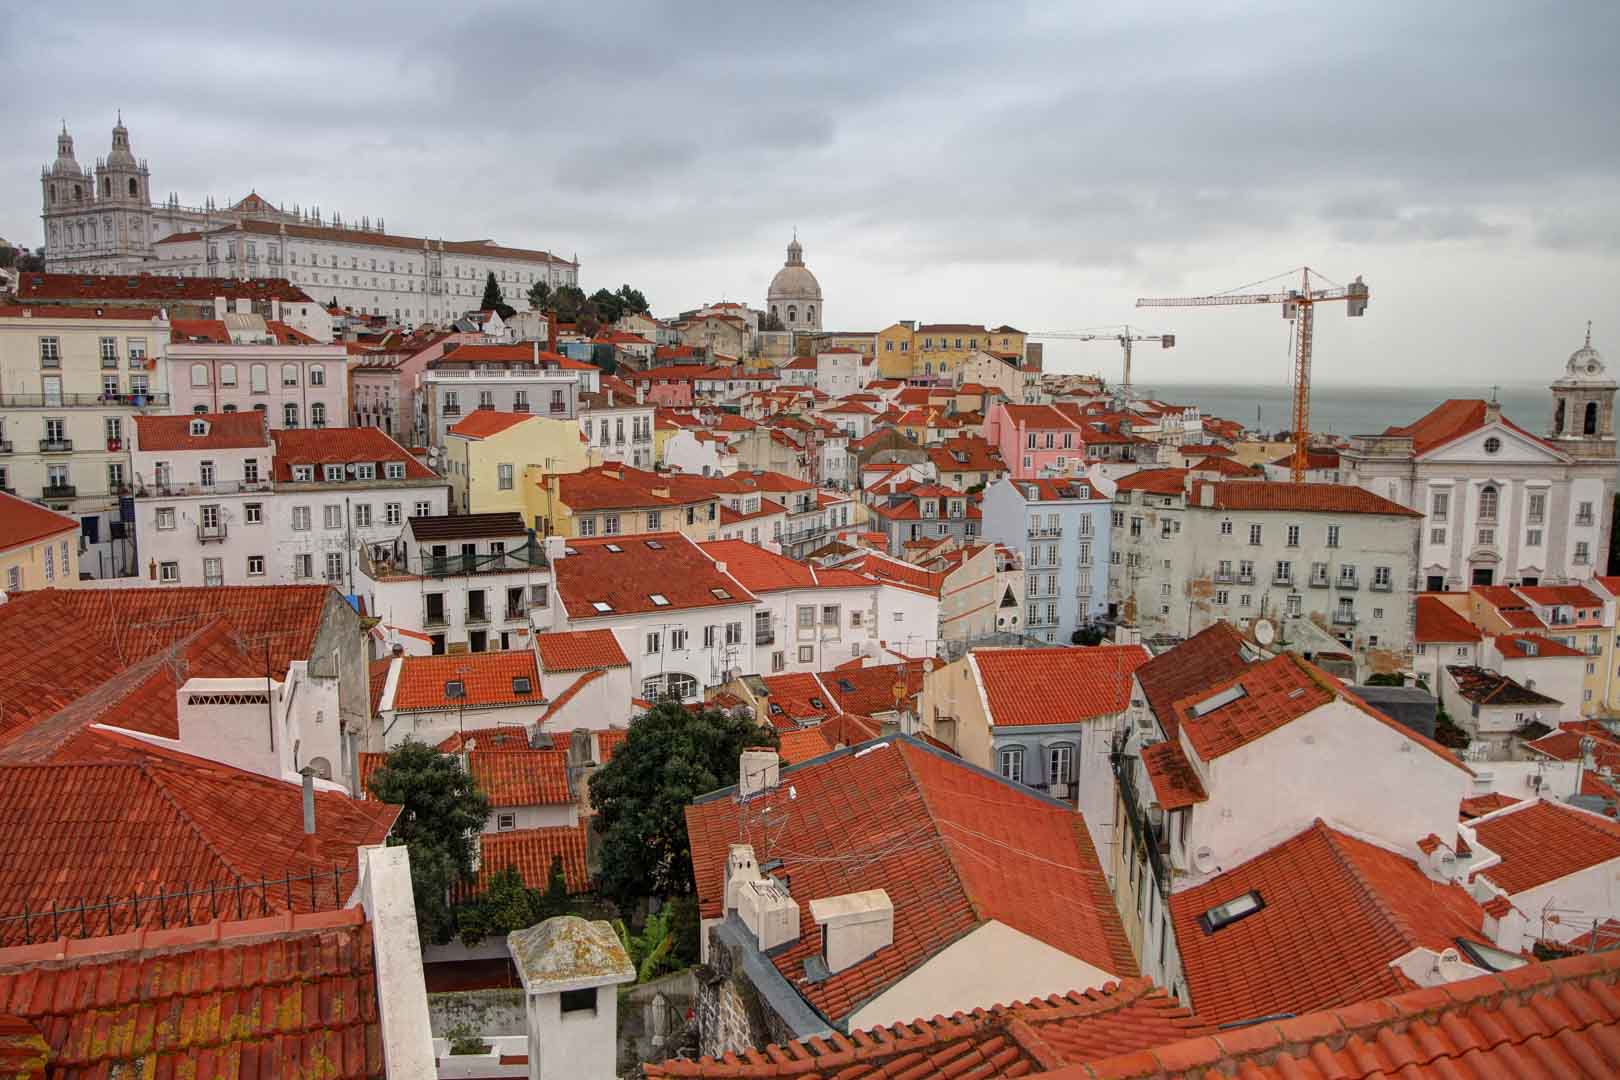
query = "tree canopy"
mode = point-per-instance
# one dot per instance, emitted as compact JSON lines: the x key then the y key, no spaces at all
{"x":507,"y":904}
{"x":493,"y":298}
{"x":669,"y":758}
{"x":539,"y":293}
{"x":443,"y":813}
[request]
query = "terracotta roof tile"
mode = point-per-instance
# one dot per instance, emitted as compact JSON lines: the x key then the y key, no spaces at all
{"x":1176,"y":785}
{"x":1155,"y":481}
{"x":577,"y":650}
{"x":1479,"y":805}
{"x":1304,"y":498}
{"x":957,"y":872}
{"x":488,"y":679}
{"x":521,"y":777}
{"x":1210,"y":656}
{"x":1056,"y":686}
{"x":341,"y":446}
{"x":1532,"y":647}
{"x":802,"y":744}
{"x":482,"y":249}
{"x":34,"y":288}
{"x":1452,"y":420}
{"x":1336,"y":911}
{"x":1539,"y":842}
{"x":1437,"y":621}
{"x":668,"y":565}
{"x":1005,"y":1041}
{"x":496,"y":737}
{"x":532,"y":852}
{"x":23,"y":522}
{"x":271,"y":1002}
{"x":482,"y":423}
{"x":225,"y":431}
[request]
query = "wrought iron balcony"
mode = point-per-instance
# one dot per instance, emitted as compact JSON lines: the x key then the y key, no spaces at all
{"x":1350,"y":581}
{"x":1343,"y":617}
{"x":60,"y":491}
{"x":1319,"y":581}
{"x":56,"y":446}
{"x":211,"y":534}
{"x":431,"y":619}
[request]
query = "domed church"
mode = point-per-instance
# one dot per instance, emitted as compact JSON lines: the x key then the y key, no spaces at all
{"x":794,"y":297}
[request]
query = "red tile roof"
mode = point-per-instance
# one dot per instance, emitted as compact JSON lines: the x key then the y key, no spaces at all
{"x":1545,"y":1021}
{"x":981,"y":849}
{"x":487,"y":678}
{"x":1452,"y":420}
{"x":1539,"y":842}
{"x":226,"y":431}
{"x":186,"y":331}
{"x":58,"y":641}
{"x":1578,"y":596}
{"x":1176,"y":785}
{"x":577,"y":650}
{"x":340,"y":446}
{"x":1155,"y":481}
{"x":802,"y":744}
{"x":1565,"y":744}
{"x":23,"y":522}
{"x":760,"y":570}
{"x":1438,"y":622}
{"x":1056,"y":686}
{"x":482,"y":249}
{"x":482,"y":423}
{"x":1531,"y":647}
{"x":66,"y":311}
{"x":1005,"y":1041}
{"x":1336,"y":912}
{"x":267,"y":999}
{"x":1211,"y":656}
{"x":627,"y":579}
{"x":532,"y":852}
{"x":521,"y":777}
{"x":130,"y":817}
{"x":1302,"y":498}
{"x":1480,"y":805}
{"x":496,"y":737}
{"x":869,"y":691}
{"x":34,"y":288}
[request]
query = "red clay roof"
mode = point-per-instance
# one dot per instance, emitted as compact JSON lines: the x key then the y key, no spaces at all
{"x":226,"y":431}
{"x":1539,"y":842}
{"x":1438,"y":622}
{"x":1451,"y":420}
{"x":1213,"y":655}
{"x":1006,"y":1041}
{"x":33,"y":288}
{"x":1155,"y":481}
{"x":340,"y":446}
{"x":663,"y":564}
{"x":577,"y":650}
{"x":130,"y":817}
{"x":482,"y":423}
{"x":983,"y":849}
{"x":65,"y":311}
{"x":1302,"y":498}
{"x":1545,"y":1021}
{"x":270,"y":999}
{"x":1056,"y":686}
{"x":487,"y":678}
{"x":495,"y":737}
{"x":532,"y":852}
{"x":521,"y":777}
{"x":1577,"y":596}
{"x":1532,"y":646}
{"x":1336,"y":911}
{"x":1480,"y":805}
{"x":802,"y":744}
{"x":1176,"y":785}
{"x":23,"y":522}
{"x":760,"y":570}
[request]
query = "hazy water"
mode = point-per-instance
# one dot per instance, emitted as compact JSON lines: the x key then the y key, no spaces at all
{"x":1349,"y":410}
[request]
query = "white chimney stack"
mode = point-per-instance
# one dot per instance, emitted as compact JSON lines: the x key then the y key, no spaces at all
{"x":853,"y":926}
{"x":759,"y":770}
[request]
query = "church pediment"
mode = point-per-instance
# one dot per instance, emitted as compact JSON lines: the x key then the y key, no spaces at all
{"x":1496,"y":443}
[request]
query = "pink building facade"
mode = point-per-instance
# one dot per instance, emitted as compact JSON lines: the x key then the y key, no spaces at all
{"x":295,"y":386}
{"x":1035,"y":440}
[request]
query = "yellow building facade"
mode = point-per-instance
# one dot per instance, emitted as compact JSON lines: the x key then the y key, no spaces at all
{"x":488,"y":453}
{"x":909,"y":350}
{"x":39,"y":548}
{"x":616,"y":500}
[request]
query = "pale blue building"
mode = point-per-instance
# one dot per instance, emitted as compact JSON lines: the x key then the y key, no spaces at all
{"x":1062,"y":526}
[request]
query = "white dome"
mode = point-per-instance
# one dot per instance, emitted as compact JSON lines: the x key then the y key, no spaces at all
{"x":1585,"y":362}
{"x":794,"y":281}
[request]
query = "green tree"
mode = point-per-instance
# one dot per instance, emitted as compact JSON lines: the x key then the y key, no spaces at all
{"x":539,"y":293}
{"x":492,"y":294}
{"x":508,"y":904}
{"x":670,"y":757}
{"x":443,"y":813}
{"x":608,"y":305}
{"x":632,"y":300}
{"x":567,"y":302}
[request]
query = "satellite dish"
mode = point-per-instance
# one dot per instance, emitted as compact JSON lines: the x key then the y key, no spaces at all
{"x":1204,"y":860}
{"x":1264,"y":632}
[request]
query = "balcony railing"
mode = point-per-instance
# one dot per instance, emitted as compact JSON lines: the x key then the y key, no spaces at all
{"x":452,"y":410}
{"x":479,"y":616}
{"x":56,"y":446}
{"x":1281,"y":578}
{"x":516,"y":612}
{"x":1344,"y":618}
{"x":430,"y":619}
{"x":1350,"y":581}
{"x":1583,"y":519}
{"x":1124,"y":766}
{"x":211,"y":534}
{"x":1319,"y":581}
{"x":73,"y":401}
{"x":1245,"y":578}
{"x":223,"y":487}
{"x":60,"y":491}
{"x":1224,"y":577}
{"x":1382,"y":586}
{"x":1045,"y":531}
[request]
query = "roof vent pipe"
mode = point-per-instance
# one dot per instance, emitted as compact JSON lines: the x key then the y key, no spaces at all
{"x":309,"y":799}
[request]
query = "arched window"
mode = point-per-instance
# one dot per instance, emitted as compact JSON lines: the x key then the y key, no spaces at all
{"x":106,"y":186}
{"x":317,"y":375}
{"x":775,"y":312}
{"x":199,"y":374}
{"x":258,"y":379}
{"x":289,"y":374}
{"x":1488,"y":499}
{"x":227,"y":374}
{"x":134,"y":188}
{"x":793,"y":314}
{"x":1558,"y":418}
{"x":317,"y":414}
{"x":289,"y":414}
{"x":1590,"y":424}
{"x":810,"y":314}
{"x":78,"y":193}
{"x":229,"y":408}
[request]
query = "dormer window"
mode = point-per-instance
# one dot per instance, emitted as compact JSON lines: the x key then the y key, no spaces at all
{"x":199,"y":427}
{"x":455,"y":689}
{"x":659,"y":600}
{"x":394,"y":470}
{"x":303,"y":473}
{"x":365,"y":471}
{"x":331,"y":472}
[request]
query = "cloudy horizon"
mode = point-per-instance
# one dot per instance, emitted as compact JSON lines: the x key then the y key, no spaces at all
{"x":1039,"y":166}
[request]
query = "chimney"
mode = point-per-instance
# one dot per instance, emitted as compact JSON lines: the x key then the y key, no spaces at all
{"x":551,"y":331}
{"x":766,"y":908}
{"x":759,"y":770}
{"x":221,"y":306}
{"x":741,"y":868}
{"x":535,"y":352}
{"x":556,"y":548}
{"x":610,"y":397}
{"x":853,"y":927}
{"x":1206,"y":494}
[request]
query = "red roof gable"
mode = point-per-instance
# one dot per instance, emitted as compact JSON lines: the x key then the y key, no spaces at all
{"x":532,"y":852}
{"x":1017,"y":858}
{"x":225,"y":431}
{"x":626,"y":573}
{"x":577,"y":650}
{"x":521,"y":777}
{"x":487,"y":678}
{"x":1056,"y":686}
{"x":1438,"y":622}
{"x":272,"y":999}
{"x":1211,"y":656}
{"x":23,"y":522}
{"x":341,"y":446}
{"x":482,"y":423}
{"x":1539,"y":842}
{"x":1336,"y":912}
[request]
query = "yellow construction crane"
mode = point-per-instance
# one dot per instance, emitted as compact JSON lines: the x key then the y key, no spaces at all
{"x":1297,"y":304}
{"x":1123,"y":335}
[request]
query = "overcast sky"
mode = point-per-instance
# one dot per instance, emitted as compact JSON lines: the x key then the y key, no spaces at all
{"x":1041,"y":165}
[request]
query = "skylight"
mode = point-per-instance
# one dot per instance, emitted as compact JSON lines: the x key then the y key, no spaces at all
{"x":601,"y":605}
{"x":615,"y":548}
{"x":655,"y":545}
{"x":660,"y":600}
{"x":1224,"y":915}
{"x":455,"y":688}
{"x":521,"y":685}
{"x":1215,"y":701}
{"x":720,"y":594}
{"x":846,"y":686}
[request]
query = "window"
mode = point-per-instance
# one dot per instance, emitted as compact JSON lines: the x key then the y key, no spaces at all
{"x":829,"y":616}
{"x":1532,"y":538}
{"x":1493,"y":445}
{"x":1488,"y":498}
{"x":317,"y":375}
{"x":362,"y":515}
{"x":50,"y":352}
{"x":1382,"y":578}
{"x":1226,"y":528}
{"x":807,"y":654}
{"x":214,"y":572}
{"x":503,"y":476}
{"x":1487,"y":537}
{"x":1220,"y":597}
{"x":300,"y":519}
{"x":1255,"y":533}
{"x":392,"y":513}
{"x":165,"y":518}
{"x":334,"y":566}
{"x":199,"y":374}
{"x":1293,"y":536}
{"x":169,"y":572}
{"x":332,"y":516}
{"x":394,"y":470}
{"x":578,"y":1001}
{"x":1437,"y":536}
{"x":317,"y":414}
{"x":709,"y":636}
{"x":1583,"y":553}
{"x":1439,"y":505}
{"x":733,"y":633}
{"x":655,"y":643}
{"x":506,"y":822}
{"x":423,"y":509}
{"x":586,"y":526}
{"x":1059,"y":764}
{"x":259,"y":379}
{"x":1333,"y":536}
{"x":1536,"y":507}
{"x":1583,"y":513}
{"x":289,"y":374}
{"x":677,"y":639}
{"x":1224,"y":915}
{"x":289,"y":414}
{"x":1012,"y":764}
